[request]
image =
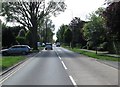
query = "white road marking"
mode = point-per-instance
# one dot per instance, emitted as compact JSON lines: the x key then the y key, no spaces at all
{"x":74,"y":83}
{"x":14,"y":71}
{"x":59,"y":57}
{"x":64,"y":65}
{"x":107,"y":65}
{"x":71,"y":78}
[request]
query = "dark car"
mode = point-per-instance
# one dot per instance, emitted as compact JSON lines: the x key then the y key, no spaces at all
{"x":17,"y":49}
{"x":57,"y":44}
{"x":48,"y":46}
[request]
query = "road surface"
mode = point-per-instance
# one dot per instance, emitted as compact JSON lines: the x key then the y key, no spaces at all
{"x":61,"y":67}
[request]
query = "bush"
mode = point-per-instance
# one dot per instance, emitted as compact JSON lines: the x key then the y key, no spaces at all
{"x":90,"y":45}
{"x":111,"y":47}
{"x":21,"y":40}
{"x":103,"y":46}
{"x":28,"y":36}
{"x":78,"y":45}
{"x":8,"y":38}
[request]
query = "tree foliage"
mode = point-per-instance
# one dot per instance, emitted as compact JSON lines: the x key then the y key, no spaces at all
{"x":60,"y":33}
{"x":94,"y":31}
{"x":76,"y":26}
{"x":8,"y":38}
{"x":30,"y":13}
{"x":21,"y":33}
{"x":21,"y":37}
{"x":46,"y":31}
{"x":112,"y":16}
{"x":68,"y":36}
{"x":28,"y":36}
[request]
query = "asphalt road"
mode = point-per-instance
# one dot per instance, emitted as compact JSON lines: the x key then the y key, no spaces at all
{"x":61,"y":67}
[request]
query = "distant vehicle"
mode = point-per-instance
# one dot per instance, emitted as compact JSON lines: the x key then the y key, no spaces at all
{"x":48,"y":46}
{"x":43,"y":44}
{"x":38,"y":43}
{"x":57,"y":44}
{"x":17,"y":49}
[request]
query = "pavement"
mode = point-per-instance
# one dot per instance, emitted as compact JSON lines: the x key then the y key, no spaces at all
{"x":102,"y":52}
{"x":61,"y":67}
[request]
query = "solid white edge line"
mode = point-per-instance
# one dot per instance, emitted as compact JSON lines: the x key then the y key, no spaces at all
{"x":64,"y":65}
{"x":13,"y":72}
{"x":107,"y":65}
{"x":74,"y":83}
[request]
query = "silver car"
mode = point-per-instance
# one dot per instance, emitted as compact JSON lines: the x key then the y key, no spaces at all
{"x":17,"y":49}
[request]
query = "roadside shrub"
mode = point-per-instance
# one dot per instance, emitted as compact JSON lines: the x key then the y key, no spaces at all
{"x":28,"y":37}
{"x":78,"y":45}
{"x":111,"y":47}
{"x":21,"y":40}
{"x":103,"y":46}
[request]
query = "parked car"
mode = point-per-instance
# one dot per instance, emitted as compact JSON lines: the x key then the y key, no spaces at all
{"x":48,"y":46}
{"x":17,"y":49}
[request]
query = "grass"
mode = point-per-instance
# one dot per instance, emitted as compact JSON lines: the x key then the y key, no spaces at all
{"x":8,"y":61}
{"x":93,"y":55}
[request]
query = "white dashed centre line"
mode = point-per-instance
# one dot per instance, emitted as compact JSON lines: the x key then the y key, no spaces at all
{"x":64,"y":65}
{"x":59,"y":57}
{"x":71,"y":78}
{"x":74,"y":83}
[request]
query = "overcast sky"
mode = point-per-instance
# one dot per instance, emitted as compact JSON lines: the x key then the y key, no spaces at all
{"x":76,"y":8}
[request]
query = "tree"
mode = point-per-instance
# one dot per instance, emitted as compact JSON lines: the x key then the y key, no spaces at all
{"x":94,"y":30}
{"x":49,"y":28}
{"x":76,"y":26}
{"x":21,"y":37}
{"x":60,"y":33}
{"x":28,"y":37}
{"x":67,"y":36}
{"x":21,"y":33}
{"x":8,"y":38}
{"x":46,"y":31}
{"x":112,"y":16}
{"x":29,"y":14}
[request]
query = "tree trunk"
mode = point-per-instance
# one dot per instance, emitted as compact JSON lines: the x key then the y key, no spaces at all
{"x":34,"y":39}
{"x":34,"y":32}
{"x":96,"y":49}
{"x":114,"y":45}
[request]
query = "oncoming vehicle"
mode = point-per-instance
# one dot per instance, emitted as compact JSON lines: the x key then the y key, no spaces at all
{"x":57,"y":44}
{"x":17,"y":49}
{"x":48,"y":46}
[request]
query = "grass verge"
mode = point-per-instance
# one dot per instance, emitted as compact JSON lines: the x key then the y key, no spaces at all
{"x":8,"y":61}
{"x":94,"y":55}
